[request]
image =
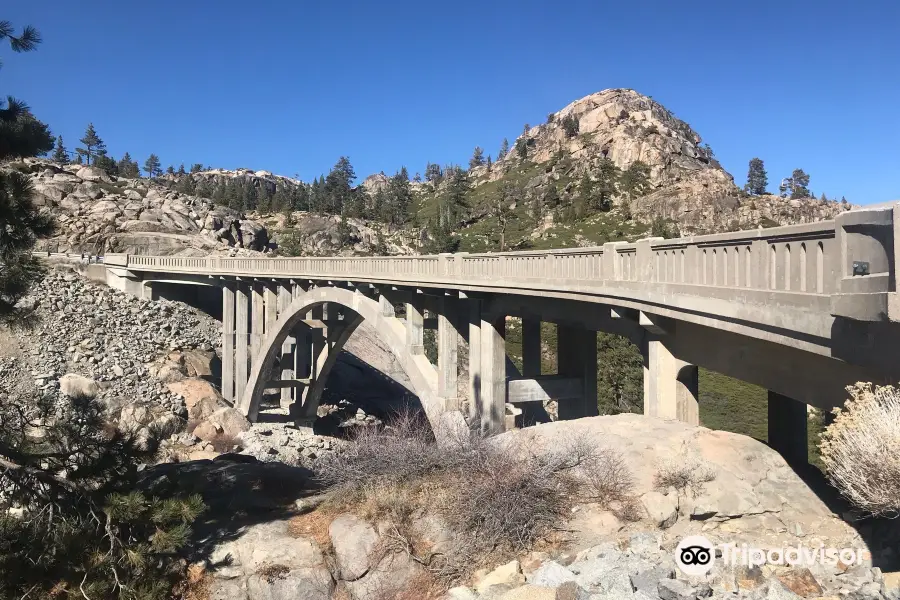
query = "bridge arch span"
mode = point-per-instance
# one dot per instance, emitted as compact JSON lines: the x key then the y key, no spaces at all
{"x":421,"y":373}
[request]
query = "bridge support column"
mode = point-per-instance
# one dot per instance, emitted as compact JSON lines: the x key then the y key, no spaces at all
{"x":241,"y":339}
{"x":448,"y":348}
{"x":285,"y":296}
{"x":492,"y":405}
{"x":577,"y":356}
{"x":270,"y":296}
{"x":531,"y":347}
{"x":257,"y":319}
{"x":228,"y":343}
{"x":670,"y":385}
{"x":787,"y":428}
{"x":473,"y":337}
{"x":415,"y":324}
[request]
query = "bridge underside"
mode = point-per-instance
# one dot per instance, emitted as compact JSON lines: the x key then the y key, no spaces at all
{"x":285,"y":335}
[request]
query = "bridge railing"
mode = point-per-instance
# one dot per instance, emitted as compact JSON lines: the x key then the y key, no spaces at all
{"x":812,"y":260}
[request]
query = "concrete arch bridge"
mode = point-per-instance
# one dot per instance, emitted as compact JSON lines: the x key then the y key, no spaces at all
{"x":801,"y":310}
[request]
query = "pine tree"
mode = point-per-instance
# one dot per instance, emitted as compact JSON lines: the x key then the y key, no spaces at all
{"x":605,"y":187}
{"x":128,"y":168}
{"x":93,"y":145}
{"x":170,"y":170}
{"x":570,"y":125}
{"x":339,"y":185}
{"x":454,"y":205}
{"x":181,"y":170}
{"x":522,"y":148}
{"x":418,"y":177}
{"x":398,"y":199}
{"x":196,"y":168}
{"x":490,"y":164}
{"x":504,"y":149}
{"x":60,"y":154}
{"x":187,"y":185}
{"x":344,"y":232}
{"x":440,"y":238}
{"x":21,"y":222}
{"x":796,"y":186}
{"x":249,"y":197}
{"x":477,"y":158}
{"x":106,"y":163}
{"x":585,"y":197}
{"x":84,"y":525}
{"x":507,"y":193}
{"x":635,"y":179}
{"x":823,"y":198}
{"x":433,"y":173}
{"x":263,"y":202}
{"x":152,"y":166}
{"x":757,"y":179}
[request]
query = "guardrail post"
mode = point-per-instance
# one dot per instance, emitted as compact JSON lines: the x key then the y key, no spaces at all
{"x":458,"y":260}
{"x":444,"y":264}
{"x":646,"y":263}
{"x":610,"y":264}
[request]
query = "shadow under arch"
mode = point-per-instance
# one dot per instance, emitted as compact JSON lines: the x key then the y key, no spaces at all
{"x":421,"y":373}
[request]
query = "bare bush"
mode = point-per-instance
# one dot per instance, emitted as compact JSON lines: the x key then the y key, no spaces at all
{"x":861,"y":449}
{"x":607,"y":478}
{"x":684,"y":474}
{"x":404,"y":450}
{"x":497,"y":497}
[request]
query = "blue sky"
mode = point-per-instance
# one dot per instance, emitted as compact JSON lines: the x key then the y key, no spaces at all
{"x":290,"y":86}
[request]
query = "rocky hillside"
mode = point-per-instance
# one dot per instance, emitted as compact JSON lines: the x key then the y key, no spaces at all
{"x":541,"y":176}
{"x":98,"y":213}
{"x":278,"y":537}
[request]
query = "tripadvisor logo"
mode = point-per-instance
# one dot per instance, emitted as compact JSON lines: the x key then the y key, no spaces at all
{"x":695,"y":555}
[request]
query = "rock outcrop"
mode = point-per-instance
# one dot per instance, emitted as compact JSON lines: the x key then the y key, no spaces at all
{"x":88,"y":340}
{"x":687,"y":184}
{"x":751,"y":496}
{"x":311,"y":234}
{"x":97,"y":213}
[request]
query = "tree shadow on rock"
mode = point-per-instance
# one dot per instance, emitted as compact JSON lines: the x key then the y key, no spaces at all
{"x":239,"y":492}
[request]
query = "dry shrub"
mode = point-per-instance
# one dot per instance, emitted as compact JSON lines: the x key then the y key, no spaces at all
{"x":861,"y":449}
{"x":402,"y":451}
{"x":497,"y":497}
{"x":607,"y":478}
{"x":684,"y":474}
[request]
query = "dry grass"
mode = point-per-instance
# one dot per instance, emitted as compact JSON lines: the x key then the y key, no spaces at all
{"x":497,"y":499}
{"x":861,"y":449}
{"x":684,"y":474}
{"x":314,"y":525}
